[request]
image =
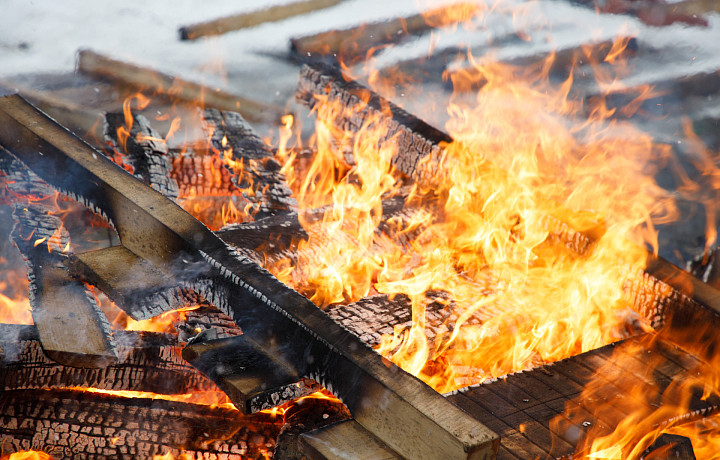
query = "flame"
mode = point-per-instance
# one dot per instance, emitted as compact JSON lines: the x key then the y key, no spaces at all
{"x":206,"y":398}
{"x":478,"y":232}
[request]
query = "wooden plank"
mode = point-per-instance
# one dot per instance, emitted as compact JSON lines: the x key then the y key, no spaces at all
{"x":133,"y":283}
{"x":61,"y":306}
{"x":253,"y":18}
{"x":510,"y":438}
{"x":415,"y":138}
{"x":344,"y":440}
{"x":147,"y":362}
{"x":252,"y":379}
{"x":274,"y":316}
{"x":354,"y":44}
{"x":96,"y":64}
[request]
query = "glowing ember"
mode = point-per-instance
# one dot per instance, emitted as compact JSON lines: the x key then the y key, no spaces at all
{"x":27,"y":455}
{"x":478,"y":229}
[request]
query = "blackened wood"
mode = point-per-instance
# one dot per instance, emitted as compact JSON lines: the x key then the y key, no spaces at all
{"x":274,"y":316}
{"x":230,"y":134}
{"x":205,"y":318}
{"x":415,"y":139}
{"x":144,"y":150}
{"x":92,"y":63}
{"x":670,"y":447}
{"x":134,"y":284}
{"x":706,"y":267}
{"x":310,"y":414}
{"x":344,"y":440}
{"x":80,"y":425}
{"x":590,"y":392}
{"x":146,"y":362}
{"x":355,"y":44}
{"x":252,"y":379}
{"x":253,"y":18}
{"x":61,"y":306}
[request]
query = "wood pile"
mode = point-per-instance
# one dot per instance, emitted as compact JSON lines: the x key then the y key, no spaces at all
{"x":47,"y":368}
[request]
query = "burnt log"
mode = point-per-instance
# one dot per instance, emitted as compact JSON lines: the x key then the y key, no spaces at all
{"x":143,"y":150}
{"x":82,"y":425}
{"x":92,"y":63}
{"x":253,"y":18}
{"x":252,"y":379}
{"x":414,"y":138}
{"x":146,"y":361}
{"x":230,"y":134}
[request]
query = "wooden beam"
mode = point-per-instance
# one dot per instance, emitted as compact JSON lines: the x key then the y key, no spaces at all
{"x":253,"y":18}
{"x":394,"y":406}
{"x":143,"y":78}
{"x":76,"y":424}
{"x":355,"y":44}
{"x":61,"y":306}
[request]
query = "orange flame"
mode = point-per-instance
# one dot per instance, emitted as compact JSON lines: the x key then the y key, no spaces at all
{"x":27,"y":455}
{"x":480,"y":228}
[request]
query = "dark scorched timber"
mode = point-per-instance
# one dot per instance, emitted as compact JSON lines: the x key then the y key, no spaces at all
{"x":60,"y":305}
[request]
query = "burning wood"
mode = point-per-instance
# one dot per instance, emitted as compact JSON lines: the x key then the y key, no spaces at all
{"x":357,"y":43}
{"x":60,"y":305}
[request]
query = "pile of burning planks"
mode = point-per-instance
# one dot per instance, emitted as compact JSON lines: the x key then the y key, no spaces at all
{"x":257,"y":340}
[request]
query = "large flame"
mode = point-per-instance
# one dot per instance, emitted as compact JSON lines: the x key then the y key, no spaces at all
{"x":477,"y":231}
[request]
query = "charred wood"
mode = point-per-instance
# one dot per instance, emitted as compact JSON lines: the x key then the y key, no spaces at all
{"x":60,"y":305}
{"x":414,"y":138}
{"x":316,"y":414}
{"x":252,"y":379}
{"x":144,"y":151}
{"x":146,"y":361}
{"x":275,"y":317}
{"x":135,"y":285}
{"x":253,"y":165}
{"x":670,"y":447}
{"x":355,"y":44}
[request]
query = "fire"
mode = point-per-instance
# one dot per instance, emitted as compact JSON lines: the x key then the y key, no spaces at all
{"x":27,"y":455}
{"x":206,"y":398}
{"x":14,"y":303}
{"x":476,"y":233}
{"x":635,"y":433}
